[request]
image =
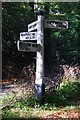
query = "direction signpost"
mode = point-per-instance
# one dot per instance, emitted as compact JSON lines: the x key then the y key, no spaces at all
{"x":32,"y":26}
{"x":28,"y":46}
{"x":38,"y":47}
{"x":28,"y":36}
{"x":56,"y":24}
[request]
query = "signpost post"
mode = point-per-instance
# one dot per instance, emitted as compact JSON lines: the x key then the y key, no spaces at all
{"x":39,"y":82}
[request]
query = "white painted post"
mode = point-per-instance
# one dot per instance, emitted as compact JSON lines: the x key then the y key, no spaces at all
{"x":39,"y":85}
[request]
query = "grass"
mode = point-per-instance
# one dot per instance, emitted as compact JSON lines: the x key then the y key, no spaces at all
{"x":6,"y":99}
{"x":23,"y":111}
{"x":64,"y":99}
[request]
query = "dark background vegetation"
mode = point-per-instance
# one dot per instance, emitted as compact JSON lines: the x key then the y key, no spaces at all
{"x":61,"y":46}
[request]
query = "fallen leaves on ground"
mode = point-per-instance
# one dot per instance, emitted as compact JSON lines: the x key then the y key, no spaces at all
{"x":50,"y":114}
{"x":73,"y":113}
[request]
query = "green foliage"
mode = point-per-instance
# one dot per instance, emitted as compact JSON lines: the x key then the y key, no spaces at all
{"x":29,"y":102}
{"x":65,"y":42}
{"x":9,"y":114}
{"x":67,"y":94}
{"x":15,"y":18}
{"x":6,"y":99}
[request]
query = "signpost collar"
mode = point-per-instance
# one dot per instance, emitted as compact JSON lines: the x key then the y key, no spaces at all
{"x":40,"y":12}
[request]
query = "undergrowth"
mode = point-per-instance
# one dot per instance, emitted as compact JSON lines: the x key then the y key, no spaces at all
{"x":66,"y":96}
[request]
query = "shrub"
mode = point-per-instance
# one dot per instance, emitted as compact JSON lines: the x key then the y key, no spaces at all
{"x":67,"y":93}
